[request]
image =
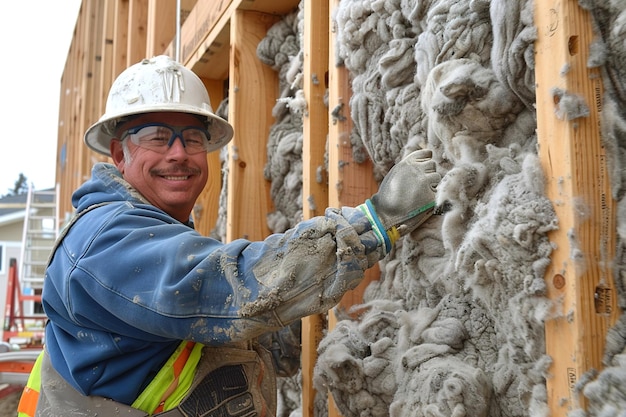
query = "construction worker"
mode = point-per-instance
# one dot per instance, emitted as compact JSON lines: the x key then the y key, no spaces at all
{"x":148,"y":317}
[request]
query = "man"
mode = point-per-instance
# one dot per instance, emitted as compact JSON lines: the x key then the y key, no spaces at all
{"x":146,"y":316}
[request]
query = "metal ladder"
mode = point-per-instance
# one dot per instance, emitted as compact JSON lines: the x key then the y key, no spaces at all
{"x":41,"y":228}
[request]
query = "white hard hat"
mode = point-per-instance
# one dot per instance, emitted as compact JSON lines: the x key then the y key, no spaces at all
{"x":159,"y":84}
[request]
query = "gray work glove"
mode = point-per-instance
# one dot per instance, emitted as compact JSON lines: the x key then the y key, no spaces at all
{"x":405,"y":198}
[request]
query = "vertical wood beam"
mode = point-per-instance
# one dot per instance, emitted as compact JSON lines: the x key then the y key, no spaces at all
{"x":106,"y":54}
{"x":252,"y":94}
{"x":94,"y":61}
{"x":350,"y":183}
{"x":161,"y":26}
{"x":85,"y":92}
{"x":77,"y":103}
{"x":68,"y":120}
{"x":120,"y":39}
{"x":580,"y":279}
{"x":315,"y":122}
{"x":314,"y":181}
{"x":207,"y":205}
{"x":137,"y":31}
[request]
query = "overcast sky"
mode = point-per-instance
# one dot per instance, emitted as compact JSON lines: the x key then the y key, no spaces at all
{"x":36,"y":37}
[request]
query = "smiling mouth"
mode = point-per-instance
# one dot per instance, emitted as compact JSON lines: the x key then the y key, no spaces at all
{"x":178,"y":173}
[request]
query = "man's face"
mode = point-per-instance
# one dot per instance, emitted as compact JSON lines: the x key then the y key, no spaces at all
{"x":172,"y":180}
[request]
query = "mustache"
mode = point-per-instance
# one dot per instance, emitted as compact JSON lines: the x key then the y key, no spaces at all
{"x":176,"y":170}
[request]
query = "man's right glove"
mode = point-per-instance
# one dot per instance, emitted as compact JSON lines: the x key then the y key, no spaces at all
{"x":405,"y":198}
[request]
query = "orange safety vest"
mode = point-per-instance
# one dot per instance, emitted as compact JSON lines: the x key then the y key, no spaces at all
{"x":163,"y":393}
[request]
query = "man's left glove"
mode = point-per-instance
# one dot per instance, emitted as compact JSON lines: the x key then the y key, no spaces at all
{"x":405,"y":198}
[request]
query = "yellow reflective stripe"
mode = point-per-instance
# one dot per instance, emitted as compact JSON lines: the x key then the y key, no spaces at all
{"x":172,"y":382}
{"x":30,"y":396}
{"x":185,"y":379}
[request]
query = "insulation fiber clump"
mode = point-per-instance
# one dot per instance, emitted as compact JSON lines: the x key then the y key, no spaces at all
{"x":455,"y":325}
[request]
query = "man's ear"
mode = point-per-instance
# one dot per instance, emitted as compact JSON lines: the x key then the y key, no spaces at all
{"x":117,"y":153}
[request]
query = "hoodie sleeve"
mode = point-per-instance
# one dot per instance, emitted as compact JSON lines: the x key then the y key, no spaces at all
{"x":126,"y":269}
{"x":309,"y":269}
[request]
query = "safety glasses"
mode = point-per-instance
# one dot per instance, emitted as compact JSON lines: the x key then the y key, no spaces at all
{"x":159,"y":137}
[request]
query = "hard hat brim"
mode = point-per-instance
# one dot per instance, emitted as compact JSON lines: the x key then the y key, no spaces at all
{"x":98,"y":137}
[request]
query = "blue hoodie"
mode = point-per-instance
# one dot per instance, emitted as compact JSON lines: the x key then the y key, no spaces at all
{"x":127,"y":282}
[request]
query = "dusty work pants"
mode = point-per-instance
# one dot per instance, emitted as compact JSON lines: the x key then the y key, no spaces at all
{"x":229,"y":382}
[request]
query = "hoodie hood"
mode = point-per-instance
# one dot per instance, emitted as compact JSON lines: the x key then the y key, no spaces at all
{"x":105,"y":186}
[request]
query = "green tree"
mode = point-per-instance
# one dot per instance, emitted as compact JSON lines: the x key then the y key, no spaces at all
{"x":20,"y":187}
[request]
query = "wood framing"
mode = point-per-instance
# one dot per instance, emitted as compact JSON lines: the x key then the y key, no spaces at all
{"x":314,"y":177}
{"x":252,"y":94}
{"x":219,"y":41}
{"x":579,"y":278}
{"x":205,"y":34}
{"x":350,"y":183}
{"x":137,"y":31}
{"x":207,"y":206}
{"x":161,"y":26}
{"x":119,"y":60}
{"x":106,"y":54}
